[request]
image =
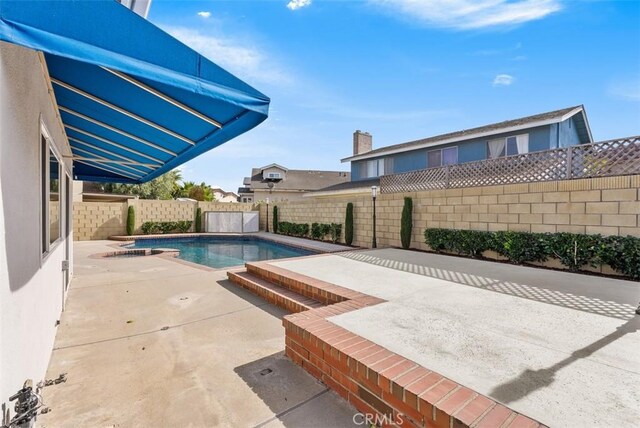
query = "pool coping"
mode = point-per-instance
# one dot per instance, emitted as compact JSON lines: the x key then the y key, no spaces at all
{"x":172,"y":254}
{"x":302,"y":243}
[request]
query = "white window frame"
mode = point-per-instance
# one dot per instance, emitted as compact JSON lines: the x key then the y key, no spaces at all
{"x":442,"y":156}
{"x":45,"y":147}
{"x":274,"y":175}
{"x":373,"y":168}
{"x":506,"y":145}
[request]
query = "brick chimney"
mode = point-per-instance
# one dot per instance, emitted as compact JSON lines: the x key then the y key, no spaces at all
{"x":362,"y":142}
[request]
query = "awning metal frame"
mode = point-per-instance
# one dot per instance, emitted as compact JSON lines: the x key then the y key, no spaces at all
{"x":121,"y":110}
{"x":164,"y":97}
{"x":103,"y":150}
{"x":116,"y":130}
{"x":104,"y":140}
{"x":112,"y":170}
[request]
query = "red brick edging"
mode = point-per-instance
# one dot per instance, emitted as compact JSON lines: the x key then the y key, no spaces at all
{"x":394,"y":390}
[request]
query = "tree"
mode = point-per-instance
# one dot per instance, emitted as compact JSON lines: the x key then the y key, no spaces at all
{"x":199,"y":192}
{"x":162,"y":187}
{"x":131,"y":221}
{"x":406,"y":223}
{"x":348,"y":225}
{"x":167,"y":186}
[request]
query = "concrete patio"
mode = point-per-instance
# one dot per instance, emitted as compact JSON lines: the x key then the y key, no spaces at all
{"x":146,"y":341}
{"x":561,"y":348}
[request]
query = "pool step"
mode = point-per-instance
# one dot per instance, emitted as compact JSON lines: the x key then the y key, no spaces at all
{"x":327,"y":294}
{"x":273,"y":293}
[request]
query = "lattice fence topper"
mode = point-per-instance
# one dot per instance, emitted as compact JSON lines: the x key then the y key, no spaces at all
{"x":602,"y":159}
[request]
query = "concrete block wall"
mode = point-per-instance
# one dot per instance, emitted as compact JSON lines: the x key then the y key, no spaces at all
{"x":162,"y":210}
{"x":100,"y":220}
{"x":333,"y":210}
{"x":607,"y":206}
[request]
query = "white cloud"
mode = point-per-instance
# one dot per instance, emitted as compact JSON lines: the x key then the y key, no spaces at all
{"x":240,"y":58}
{"x":204,"y":14}
{"x":298,"y":4}
{"x":625,"y":89}
{"x":503,"y":80}
{"x":472,"y":14}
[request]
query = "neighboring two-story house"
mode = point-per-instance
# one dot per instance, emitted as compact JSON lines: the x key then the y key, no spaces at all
{"x":223,"y":196}
{"x":555,"y":129}
{"x":286,"y":184}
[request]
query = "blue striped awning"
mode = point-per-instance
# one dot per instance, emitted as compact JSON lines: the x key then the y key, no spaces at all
{"x":134,"y":101}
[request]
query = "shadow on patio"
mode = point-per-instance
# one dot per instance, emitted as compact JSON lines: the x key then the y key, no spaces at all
{"x":539,"y":294}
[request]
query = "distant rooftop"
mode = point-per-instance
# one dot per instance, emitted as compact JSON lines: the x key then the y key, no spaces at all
{"x":303,"y":180}
{"x":486,"y":130}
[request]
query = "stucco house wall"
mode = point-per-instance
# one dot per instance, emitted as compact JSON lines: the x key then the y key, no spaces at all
{"x":32,"y":287}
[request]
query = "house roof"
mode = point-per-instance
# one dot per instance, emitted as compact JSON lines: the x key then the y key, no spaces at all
{"x":359,"y":184}
{"x":223,"y":192}
{"x":301,"y":180}
{"x":105,"y":197}
{"x":488,"y":130}
{"x":274,"y":165}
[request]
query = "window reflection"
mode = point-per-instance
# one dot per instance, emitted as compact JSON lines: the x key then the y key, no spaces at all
{"x":54,"y":198}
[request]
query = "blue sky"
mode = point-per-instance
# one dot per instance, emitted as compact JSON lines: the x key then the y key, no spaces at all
{"x":407,"y":69}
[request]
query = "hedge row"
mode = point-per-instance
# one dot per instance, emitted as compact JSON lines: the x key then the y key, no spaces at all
{"x":574,"y":251}
{"x":152,"y":227}
{"x":319,"y":231}
{"x":293,"y":229}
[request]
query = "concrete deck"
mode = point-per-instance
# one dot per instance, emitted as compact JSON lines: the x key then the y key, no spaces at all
{"x":147,"y":341}
{"x":561,"y":348}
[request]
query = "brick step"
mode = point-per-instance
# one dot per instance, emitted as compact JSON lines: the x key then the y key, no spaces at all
{"x":312,"y":288}
{"x":273,"y":293}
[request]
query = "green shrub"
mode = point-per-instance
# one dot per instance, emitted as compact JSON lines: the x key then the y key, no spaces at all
{"x":315,"y":231}
{"x":183,"y":226}
{"x":406,"y":223}
{"x":293,"y":229}
{"x":574,"y":251}
{"x":348,"y":225}
{"x":167,"y":226}
{"x":275,"y":219}
{"x":198,"y":224}
{"x":439,"y":239}
{"x":336,"y":231}
{"x":131,"y":221}
{"x":622,"y":253}
{"x":149,"y":227}
{"x":320,"y":231}
{"x":470,"y":242}
{"x":520,"y":247}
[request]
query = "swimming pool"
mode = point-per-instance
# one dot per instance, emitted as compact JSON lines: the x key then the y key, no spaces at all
{"x":220,"y":252}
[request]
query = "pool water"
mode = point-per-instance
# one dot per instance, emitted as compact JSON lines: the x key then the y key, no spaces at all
{"x":221,"y":252}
